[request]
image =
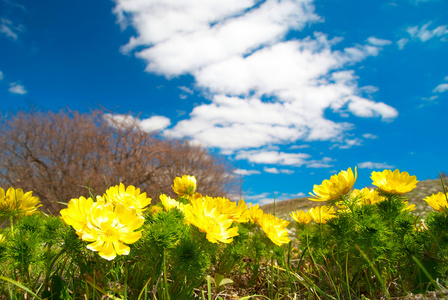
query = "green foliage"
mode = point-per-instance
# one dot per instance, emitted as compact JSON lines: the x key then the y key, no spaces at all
{"x":383,"y":239}
{"x":368,"y":251}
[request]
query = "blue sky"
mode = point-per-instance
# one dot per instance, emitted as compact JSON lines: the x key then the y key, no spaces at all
{"x":289,"y":91}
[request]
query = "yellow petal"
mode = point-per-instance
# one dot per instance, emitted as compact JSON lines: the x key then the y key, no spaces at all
{"x":96,"y":246}
{"x":107,"y":251}
{"x":132,"y":237}
{"x":121,"y":248}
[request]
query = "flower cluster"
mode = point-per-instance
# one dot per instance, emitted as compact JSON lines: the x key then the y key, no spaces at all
{"x":366,"y":196}
{"x":15,"y":203}
{"x":211,"y":219}
{"x":319,"y":214}
{"x":341,"y":185}
{"x":275,"y":228}
{"x":110,"y":222}
{"x":218,"y":216}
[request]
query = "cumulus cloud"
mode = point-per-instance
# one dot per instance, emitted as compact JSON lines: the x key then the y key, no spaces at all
{"x":154,"y":123}
{"x":183,"y":39}
{"x":17,"y":88}
{"x":262,"y":88}
{"x":373,"y":165}
{"x":367,"y":108}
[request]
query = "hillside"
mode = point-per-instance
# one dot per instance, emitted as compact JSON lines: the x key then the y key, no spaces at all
{"x":424,"y":188}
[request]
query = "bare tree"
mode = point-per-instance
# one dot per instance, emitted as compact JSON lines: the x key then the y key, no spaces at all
{"x":56,"y":155}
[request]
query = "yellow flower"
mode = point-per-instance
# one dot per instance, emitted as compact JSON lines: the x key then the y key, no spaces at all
{"x":111,"y":227}
{"x":301,"y":217}
{"x":169,"y":203}
{"x":208,"y":219}
{"x":129,"y":197}
{"x":155,"y":209}
{"x":77,"y":215}
{"x":275,"y":229}
{"x":408,"y":207}
{"x":338,"y":185}
{"x":185,"y":185}
{"x":255,"y":213}
{"x":321,"y":214}
{"x":394,"y":182}
{"x":2,"y":238}
{"x":367,"y":196}
{"x":238,"y":213}
{"x":15,"y":202}
{"x":437,"y":201}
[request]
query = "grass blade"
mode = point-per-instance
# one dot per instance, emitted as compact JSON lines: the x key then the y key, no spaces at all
{"x":21,"y":286}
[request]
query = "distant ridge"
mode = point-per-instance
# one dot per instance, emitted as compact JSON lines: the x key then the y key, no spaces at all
{"x":424,"y":188}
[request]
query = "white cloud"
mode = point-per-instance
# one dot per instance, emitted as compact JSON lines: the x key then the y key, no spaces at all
{"x":402,"y":42}
{"x":277,"y":171}
{"x":430,"y":99}
{"x":369,"y":89}
{"x":154,"y":123}
{"x":378,"y":42}
{"x":237,"y":53}
{"x":273,"y":157}
{"x":299,"y":147}
{"x":441,"y":88}
{"x":1,"y":75}
{"x":318,"y":164}
{"x":286,"y":171}
{"x":117,"y":120}
{"x":188,"y":42}
{"x":9,"y":29}
{"x":16,"y":88}
{"x":186,"y":90}
{"x":271,"y":170}
{"x":418,"y":1}
{"x":267,"y":198}
{"x":424,"y":34}
{"x":367,"y":108}
{"x":245,"y":172}
{"x":348,"y":143}
{"x":369,"y":136}
{"x":373,"y":165}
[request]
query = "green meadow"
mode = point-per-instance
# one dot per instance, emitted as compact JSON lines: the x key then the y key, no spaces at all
{"x":384,"y":243}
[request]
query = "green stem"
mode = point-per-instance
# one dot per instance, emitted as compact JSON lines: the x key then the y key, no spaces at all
{"x":321,"y":234}
{"x":165,"y":280}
